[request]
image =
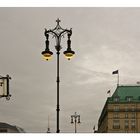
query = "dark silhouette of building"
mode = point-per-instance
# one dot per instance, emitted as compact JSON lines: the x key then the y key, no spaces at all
{"x":7,"y":128}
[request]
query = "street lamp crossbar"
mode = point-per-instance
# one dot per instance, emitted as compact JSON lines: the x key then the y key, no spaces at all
{"x":58,"y":32}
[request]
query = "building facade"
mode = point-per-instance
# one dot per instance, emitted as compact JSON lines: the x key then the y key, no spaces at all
{"x":7,"y":128}
{"x":121,"y":112}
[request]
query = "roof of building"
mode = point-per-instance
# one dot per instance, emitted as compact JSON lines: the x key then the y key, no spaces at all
{"x":123,"y":92}
{"x":6,"y":125}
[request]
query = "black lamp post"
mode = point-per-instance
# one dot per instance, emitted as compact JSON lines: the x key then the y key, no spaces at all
{"x":58,"y":32}
{"x":75,"y":121}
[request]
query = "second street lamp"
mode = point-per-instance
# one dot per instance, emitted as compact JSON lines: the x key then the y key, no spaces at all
{"x":75,"y":121}
{"x":58,"y":32}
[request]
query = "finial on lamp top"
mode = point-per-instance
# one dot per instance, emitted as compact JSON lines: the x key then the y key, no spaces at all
{"x":58,"y":20}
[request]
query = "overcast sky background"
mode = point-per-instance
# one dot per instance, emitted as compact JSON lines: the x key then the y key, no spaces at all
{"x":104,"y":40}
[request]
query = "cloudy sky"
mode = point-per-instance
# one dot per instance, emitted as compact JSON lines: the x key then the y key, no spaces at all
{"x":104,"y":40}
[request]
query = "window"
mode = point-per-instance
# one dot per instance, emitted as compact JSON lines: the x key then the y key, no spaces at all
{"x":126,"y":115}
{"x":129,"y":98}
{"x":116,"y":124}
{"x":133,"y":108}
{"x":116,"y":115}
{"x":133,"y":115}
{"x":133,"y":124}
{"x":126,"y":124}
{"x":126,"y":131}
{"x":116,"y":108}
{"x":126,"y":108}
{"x":116,"y":99}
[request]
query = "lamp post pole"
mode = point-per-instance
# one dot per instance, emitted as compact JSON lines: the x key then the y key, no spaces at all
{"x":58,"y":81}
{"x":58,"y":32}
{"x":75,"y":121}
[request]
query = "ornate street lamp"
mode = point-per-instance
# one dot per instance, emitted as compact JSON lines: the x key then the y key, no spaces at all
{"x":75,"y":119}
{"x":58,"y":32}
{"x":4,"y":87}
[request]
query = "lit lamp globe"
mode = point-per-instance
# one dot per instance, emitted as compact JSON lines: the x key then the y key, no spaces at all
{"x":69,"y":54}
{"x":47,"y":54}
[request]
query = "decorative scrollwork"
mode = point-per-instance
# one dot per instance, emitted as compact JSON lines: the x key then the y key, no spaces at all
{"x":58,"y":32}
{"x":8,"y":97}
